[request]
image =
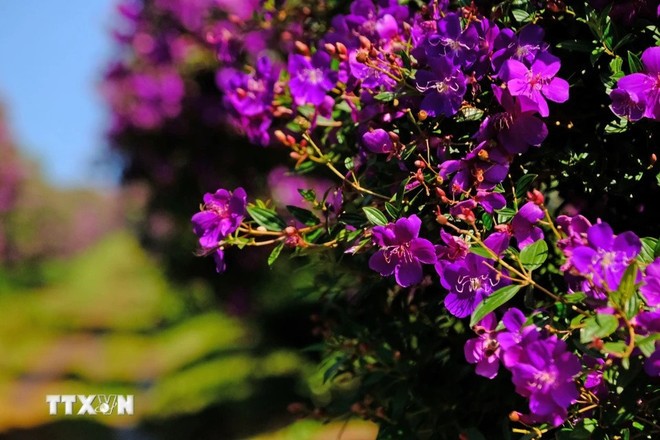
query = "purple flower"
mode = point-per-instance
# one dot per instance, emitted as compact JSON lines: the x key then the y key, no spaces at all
{"x":607,"y":256}
{"x":483,"y":167}
{"x":627,"y":104}
{"x":250,"y":96}
{"x":222,"y":213}
{"x":484,"y":350}
{"x":523,"y":224}
{"x":643,"y":89}
{"x":402,"y":251}
{"x":516,"y":128}
{"x":311,"y":78}
{"x":378,"y":141}
{"x":543,"y":371}
{"x":650,"y":290}
{"x":524,"y":47}
{"x":454,"y":249}
{"x":537,"y":82}
{"x":443,"y":87}
{"x":469,"y":281}
{"x":453,"y":43}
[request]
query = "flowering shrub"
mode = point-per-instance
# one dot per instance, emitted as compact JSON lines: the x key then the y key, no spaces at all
{"x":503,"y":144}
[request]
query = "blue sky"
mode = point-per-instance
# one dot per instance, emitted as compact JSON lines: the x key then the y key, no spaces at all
{"x":52,"y":54}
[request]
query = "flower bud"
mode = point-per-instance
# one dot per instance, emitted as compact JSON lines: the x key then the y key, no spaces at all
{"x":420,"y":164}
{"x":302,"y":48}
{"x":364,"y":43}
{"x":535,"y":196}
{"x":330,"y":48}
{"x":362,"y":57}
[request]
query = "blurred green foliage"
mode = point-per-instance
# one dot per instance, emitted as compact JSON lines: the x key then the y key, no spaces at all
{"x":106,"y":321}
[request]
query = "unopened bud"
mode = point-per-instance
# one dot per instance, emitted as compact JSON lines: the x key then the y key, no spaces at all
{"x":362,"y":56}
{"x":535,"y":196}
{"x":514,"y":416}
{"x":302,"y":48}
{"x":420,"y":164}
{"x":280,"y":136}
{"x":441,"y":219}
{"x":343,"y":52}
{"x":365,"y":43}
{"x":654,"y":158}
{"x":330,"y":48}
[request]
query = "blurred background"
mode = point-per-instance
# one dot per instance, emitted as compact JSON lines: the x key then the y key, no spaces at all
{"x":110,"y":134}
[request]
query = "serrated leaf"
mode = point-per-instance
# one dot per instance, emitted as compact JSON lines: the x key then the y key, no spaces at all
{"x":374,"y":216}
{"x":266,"y":218}
{"x":275,"y":253}
{"x":303,"y":215}
{"x":534,"y":255}
{"x":598,"y":326}
{"x":492,"y":302}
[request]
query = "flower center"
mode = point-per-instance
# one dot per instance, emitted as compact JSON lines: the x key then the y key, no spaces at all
{"x":220,"y":210}
{"x":313,"y":76}
{"x":502,"y":121}
{"x":400,"y":252}
{"x":543,"y":380}
{"x":472,"y":283}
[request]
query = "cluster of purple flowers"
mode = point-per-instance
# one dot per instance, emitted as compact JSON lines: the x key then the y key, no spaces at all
{"x":542,"y":368}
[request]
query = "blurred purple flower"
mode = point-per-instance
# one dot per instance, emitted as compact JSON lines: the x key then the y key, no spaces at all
{"x":311,"y":78}
{"x":378,"y":141}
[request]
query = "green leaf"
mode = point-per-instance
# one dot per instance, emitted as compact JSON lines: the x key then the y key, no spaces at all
{"x":495,"y":300}
{"x":275,"y":253}
{"x":374,"y":216}
{"x":384,"y":96}
{"x":505,"y":214}
{"x":576,"y":46}
{"x":649,"y":245}
{"x":308,"y":194}
{"x":573,"y":298}
{"x":391,"y":210}
{"x":534,"y":255}
{"x":599,"y":326}
{"x":487,"y":220}
{"x":302,"y":215}
{"x":647,"y":344}
{"x":656,"y":250}
{"x":520,"y":15}
{"x":634,"y":63}
{"x":266,"y":218}
{"x":616,"y":65}
{"x":482,"y":251}
{"x":621,"y":296}
{"x":522,"y":185}
{"x":618,"y":347}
